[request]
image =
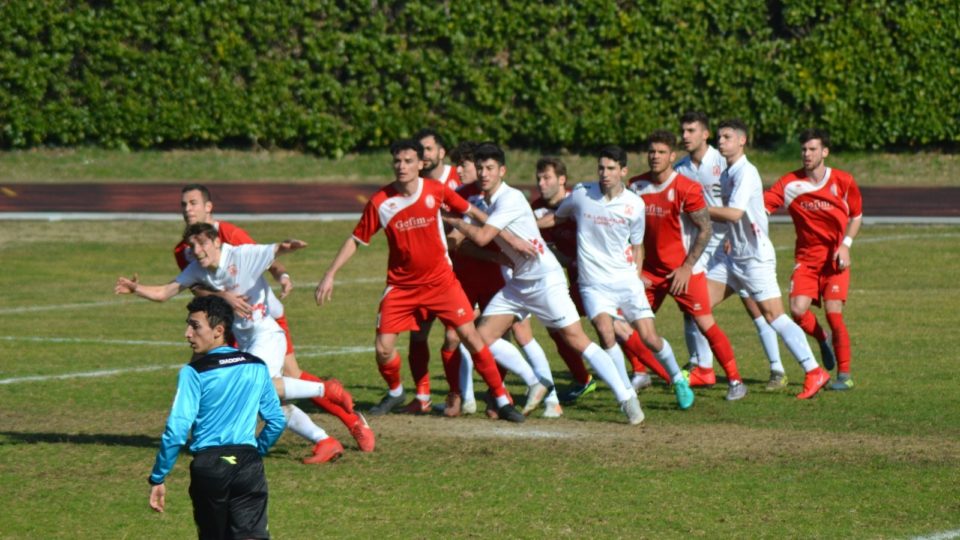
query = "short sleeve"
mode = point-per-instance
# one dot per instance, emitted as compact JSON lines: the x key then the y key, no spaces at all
{"x":233,"y":235}
{"x":773,"y":198}
{"x":256,"y":258}
{"x":854,"y":199}
{"x":368,"y":225}
{"x":510,"y":207}
{"x":748,"y":185}
{"x":453,"y":199}
{"x":191,"y":275}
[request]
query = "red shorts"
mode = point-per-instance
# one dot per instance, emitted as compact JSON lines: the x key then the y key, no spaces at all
{"x":696,"y":301}
{"x":282,"y":321}
{"x":819,"y":281}
{"x":402,"y":307}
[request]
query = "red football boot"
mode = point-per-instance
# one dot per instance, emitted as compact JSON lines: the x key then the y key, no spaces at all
{"x":327,"y":450}
{"x":813,"y":382}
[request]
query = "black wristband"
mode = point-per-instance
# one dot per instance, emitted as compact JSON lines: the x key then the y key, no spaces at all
{"x":152,"y":483}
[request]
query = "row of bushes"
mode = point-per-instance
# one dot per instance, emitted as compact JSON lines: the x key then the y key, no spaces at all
{"x":338,"y":76}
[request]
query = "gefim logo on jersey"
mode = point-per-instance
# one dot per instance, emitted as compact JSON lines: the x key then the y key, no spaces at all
{"x":413,"y":223}
{"x":816,"y":205}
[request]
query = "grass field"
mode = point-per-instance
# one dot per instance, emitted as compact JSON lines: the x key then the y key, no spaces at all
{"x":99,"y":165}
{"x":86,"y":381}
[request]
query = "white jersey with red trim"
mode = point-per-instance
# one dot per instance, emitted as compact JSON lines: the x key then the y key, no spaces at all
{"x":742,"y":189}
{"x":240,"y":271}
{"x":607,"y":230}
{"x":507,"y":208}
{"x":707,"y":174}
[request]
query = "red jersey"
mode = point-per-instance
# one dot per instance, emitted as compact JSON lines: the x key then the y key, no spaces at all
{"x":450,"y":177}
{"x":820,"y":211}
{"x":418,"y":246}
{"x":563,"y":237}
{"x":473,"y":273}
{"x":669,"y":230}
{"x":228,"y":233}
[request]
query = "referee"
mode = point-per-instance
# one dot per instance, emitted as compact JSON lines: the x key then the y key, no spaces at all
{"x":219,"y":395}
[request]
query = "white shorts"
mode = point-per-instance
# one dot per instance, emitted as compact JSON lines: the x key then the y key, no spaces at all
{"x":269,"y":346}
{"x":627,"y":296}
{"x":718,"y":269}
{"x":757,"y":278}
{"x":548,"y":298}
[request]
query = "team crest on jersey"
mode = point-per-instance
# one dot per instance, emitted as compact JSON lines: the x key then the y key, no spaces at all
{"x":232,"y":270}
{"x":670,"y":195}
{"x":429,"y":201}
{"x":716,"y":170}
{"x":628,"y":210}
{"x":833,"y":189}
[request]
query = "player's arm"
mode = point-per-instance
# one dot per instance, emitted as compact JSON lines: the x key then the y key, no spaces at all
{"x":280,"y":275}
{"x":843,"y":252}
{"x":550,"y":219}
{"x":680,"y":277}
{"x":183,"y":413}
{"x":638,"y":255}
{"x":288,"y":246}
{"x":484,"y":234}
{"x":156,"y":293}
{"x":325,"y":288}
{"x":725,"y":213}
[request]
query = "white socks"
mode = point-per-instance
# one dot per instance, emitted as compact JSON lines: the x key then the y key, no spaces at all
{"x":466,"y":375}
{"x":768,"y":339}
{"x":616,"y":354}
{"x":697,"y":343}
{"x":602,"y":364}
{"x":299,"y":389}
{"x":796,"y":341}
{"x":301,"y":424}
{"x":541,"y":367}
{"x":509,"y":357}
{"x":667,"y":360}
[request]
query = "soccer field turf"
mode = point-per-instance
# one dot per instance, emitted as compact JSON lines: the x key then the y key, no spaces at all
{"x":87,"y":378}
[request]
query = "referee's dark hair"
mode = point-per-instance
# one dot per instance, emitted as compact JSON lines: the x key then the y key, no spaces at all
{"x":217,"y":309}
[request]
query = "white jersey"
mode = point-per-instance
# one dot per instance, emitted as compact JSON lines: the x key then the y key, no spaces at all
{"x":509,"y":210}
{"x":240,"y":271}
{"x":707,"y":174}
{"x":607,"y":230}
{"x":741,"y":188}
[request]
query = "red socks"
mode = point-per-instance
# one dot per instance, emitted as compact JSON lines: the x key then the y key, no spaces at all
{"x":723,"y":352}
{"x":486,"y":366}
{"x":419,"y":366}
{"x":841,"y":340}
{"x":327,"y":405}
{"x":808,"y":322}
{"x":391,"y":372}
{"x":635,"y":349}
{"x":451,"y":368}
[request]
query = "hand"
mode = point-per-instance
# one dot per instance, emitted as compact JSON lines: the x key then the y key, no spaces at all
{"x":324,"y":290}
{"x":292,"y":244}
{"x":126,"y":286}
{"x":681,"y":279}
{"x":286,"y":285}
{"x":526,"y":249}
{"x":647,"y":282}
{"x":452,"y":221}
{"x":238,"y":302}
{"x":158,"y":495}
{"x":842,"y":257}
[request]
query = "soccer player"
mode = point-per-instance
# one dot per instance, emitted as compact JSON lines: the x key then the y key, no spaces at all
{"x":434,"y":152}
{"x":240,"y":269}
{"x":752,"y":262}
{"x":827,"y":212}
{"x":220,"y":394}
{"x":610,"y":233}
{"x":537,"y":285}
{"x":678,"y":231}
{"x":704,"y":164}
{"x":419,"y":274}
{"x":196,"y":205}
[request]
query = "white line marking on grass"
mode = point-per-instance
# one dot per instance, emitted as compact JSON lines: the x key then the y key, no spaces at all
{"x":96,"y":341}
{"x":894,"y":238}
{"x":945,"y":535}
{"x":85,"y":374}
{"x":508,"y":433}
{"x":29,"y":309}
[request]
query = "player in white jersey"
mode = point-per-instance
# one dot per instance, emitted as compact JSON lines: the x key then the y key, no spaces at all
{"x":704,"y":164}
{"x":537,"y":285}
{"x":752,"y":262}
{"x":239,"y":270}
{"x":610,"y":225}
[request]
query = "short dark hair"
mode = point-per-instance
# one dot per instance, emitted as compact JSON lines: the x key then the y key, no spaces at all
{"x":614,"y":152}
{"x":204,"y":192}
{"x":690,"y":117}
{"x":489,"y":150}
{"x":735,"y":124}
{"x":662,"y":136}
{"x":217,"y":309}
{"x":430,"y":132}
{"x":203,"y":229}
{"x":815,"y":133}
{"x":463,"y":152}
{"x":559,"y":167}
{"x":406,"y":144}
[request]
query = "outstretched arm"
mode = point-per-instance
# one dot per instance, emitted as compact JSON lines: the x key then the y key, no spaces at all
{"x":725,"y":213}
{"x":325,"y":287}
{"x":156,"y":293}
{"x":279,"y":273}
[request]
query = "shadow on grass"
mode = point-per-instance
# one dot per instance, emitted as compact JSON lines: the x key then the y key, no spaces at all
{"x":108,"y":439}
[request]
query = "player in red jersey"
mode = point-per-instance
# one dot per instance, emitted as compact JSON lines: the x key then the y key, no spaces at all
{"x":678,"y":229}
{"x":419,"y":274}
{"x":434,"y":152}
{"x":827,"y":213}
{"x":196,"y":206}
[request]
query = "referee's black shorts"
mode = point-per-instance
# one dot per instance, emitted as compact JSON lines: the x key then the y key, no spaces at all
{"x":229,"y":492}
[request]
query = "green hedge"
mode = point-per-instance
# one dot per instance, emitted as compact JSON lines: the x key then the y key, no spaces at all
{"x":333,"y":77}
